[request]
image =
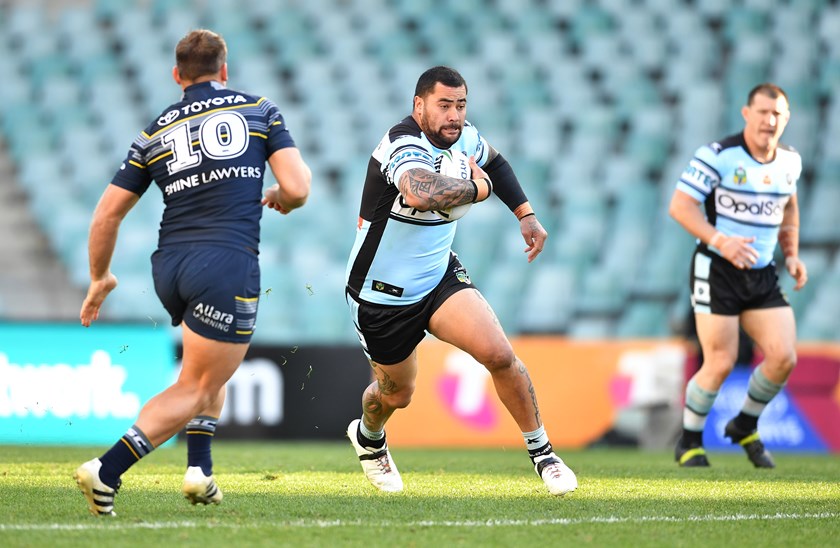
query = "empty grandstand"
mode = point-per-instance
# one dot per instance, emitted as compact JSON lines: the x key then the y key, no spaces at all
{"x":597,"y":105}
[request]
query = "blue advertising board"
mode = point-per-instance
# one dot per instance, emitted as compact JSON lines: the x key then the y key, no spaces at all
{"x":782,"y":425}
{"x":65,"y":384}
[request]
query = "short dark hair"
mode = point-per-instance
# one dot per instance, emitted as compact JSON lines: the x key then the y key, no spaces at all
{"x":770,"y":90}
{"x":200,"y":53}
{"x":449,"y":77}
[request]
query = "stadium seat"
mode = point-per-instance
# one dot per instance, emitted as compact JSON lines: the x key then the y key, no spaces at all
{"x":504,"y":280}
{"x":597,"y":105}
{"x":546,"y":306}
{"x":820,"y":322}
{"x":817,"y":261}
{"x":602,"y":292}
{"x":643,"y":319}
{"x":819,"y":224}
{"x":665,"y":271}
{"x":597,"y":328}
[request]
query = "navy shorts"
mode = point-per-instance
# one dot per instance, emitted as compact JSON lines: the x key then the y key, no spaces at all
{"x":214,"y":289}
{"x":389,"y":334}
{"x":717,"y":287}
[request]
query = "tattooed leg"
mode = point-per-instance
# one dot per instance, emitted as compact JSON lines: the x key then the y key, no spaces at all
{"x":391,"y":390}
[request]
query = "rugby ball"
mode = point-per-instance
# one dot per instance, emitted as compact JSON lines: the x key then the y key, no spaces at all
{"x":453,"y":163}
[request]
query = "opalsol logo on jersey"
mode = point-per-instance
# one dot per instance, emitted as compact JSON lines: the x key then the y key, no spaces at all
{"x":752,"y":208}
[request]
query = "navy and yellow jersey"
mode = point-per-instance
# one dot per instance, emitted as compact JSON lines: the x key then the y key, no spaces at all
{"x":742,"y":196}
{"x":208,"y":153}
{"x":400,"y":254}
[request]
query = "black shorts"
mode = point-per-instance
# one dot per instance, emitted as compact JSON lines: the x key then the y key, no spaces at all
{"x":717,"y":287}
{"x":214,"y":289}
{"x":389,"y":334}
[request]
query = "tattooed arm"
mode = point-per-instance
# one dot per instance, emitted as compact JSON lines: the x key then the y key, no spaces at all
{"x":426,"y":190}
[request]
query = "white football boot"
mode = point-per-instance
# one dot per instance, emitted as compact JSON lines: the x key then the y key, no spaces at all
{"x":200,"y":489}
{"x":100,"y":497}
{"x":558,"y":477}
{"x":377,"y":464}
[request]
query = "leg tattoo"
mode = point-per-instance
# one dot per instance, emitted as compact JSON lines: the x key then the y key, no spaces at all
{"x":531,"y":390}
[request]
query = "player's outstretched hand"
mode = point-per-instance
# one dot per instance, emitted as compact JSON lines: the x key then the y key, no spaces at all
{"x":271,"y":199}
{"x":797,"y":270}
{"x":534,"y":235}
{"x":97,"y":291}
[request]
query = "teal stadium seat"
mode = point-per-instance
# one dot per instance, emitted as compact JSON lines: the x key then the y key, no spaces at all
{"x":819,"y":321}
{"x":818,"y":263}
{"x":644,"y":319}
{"x":602,"y":292}
{"x":665,"y":270}
{"x":612,"y":95}
{"x":597,"y":328}
{"x":545,"y":303}
{"x":819,"y":215}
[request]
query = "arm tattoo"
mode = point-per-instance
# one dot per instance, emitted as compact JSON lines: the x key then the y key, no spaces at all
{"x":438,"y":191}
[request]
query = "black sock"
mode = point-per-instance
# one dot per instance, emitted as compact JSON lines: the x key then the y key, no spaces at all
{"x":373,"y":444}
{"x":746,"y":423}
{"x":690,"y":438}
{"x":130,"y":448}
{"x":544,"y":450}
{"x":200,"y":432}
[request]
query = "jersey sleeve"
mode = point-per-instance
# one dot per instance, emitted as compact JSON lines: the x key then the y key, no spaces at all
{"x":797,"y":173}
{"x":477,"y":143}
{"x":406,"y":153}
{"x":702,"y":174}
{"x":278,"y":132}
{"x":133,"y":174}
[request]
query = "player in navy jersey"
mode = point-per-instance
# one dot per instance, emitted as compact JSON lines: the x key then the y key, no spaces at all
{"x":207,"y":153}
{"x":747,"y":186}
{"x":404,"y":280}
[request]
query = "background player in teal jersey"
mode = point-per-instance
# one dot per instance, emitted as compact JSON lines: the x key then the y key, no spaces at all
{"x":747,"y":185}
{"x":403,"y":278}
{"x":207,"y":153}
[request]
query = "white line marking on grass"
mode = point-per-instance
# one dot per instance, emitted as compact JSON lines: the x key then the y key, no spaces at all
{"x":112,"y":523}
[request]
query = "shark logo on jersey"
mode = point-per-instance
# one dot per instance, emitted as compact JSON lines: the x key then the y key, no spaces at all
{"x":740,"y":176}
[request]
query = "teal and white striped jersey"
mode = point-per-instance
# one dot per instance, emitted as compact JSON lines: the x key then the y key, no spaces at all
{"x":741,"y":196}
{"x":400,"y":254}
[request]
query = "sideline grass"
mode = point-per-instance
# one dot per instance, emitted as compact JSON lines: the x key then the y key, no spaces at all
{"x":314,"y":494}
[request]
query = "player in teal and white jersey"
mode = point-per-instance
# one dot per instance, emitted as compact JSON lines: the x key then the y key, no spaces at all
{"x":403,"y":278}
{"x":207,"y":153}
{"x":747,"y":186}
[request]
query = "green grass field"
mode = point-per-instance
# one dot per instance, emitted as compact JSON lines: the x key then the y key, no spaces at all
{"x":308,"y":494}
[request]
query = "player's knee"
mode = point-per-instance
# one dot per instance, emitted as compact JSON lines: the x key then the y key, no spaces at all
{"x":498,"y":358}
{"x":782,"y":361}
{"x":398,"y":399}
{"x":719,"y":365}
{"x":200,"y":394}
